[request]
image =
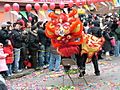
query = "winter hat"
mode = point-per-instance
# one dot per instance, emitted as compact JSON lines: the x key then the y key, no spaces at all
{"x":4,"y":24}
{"x":9,"y":22}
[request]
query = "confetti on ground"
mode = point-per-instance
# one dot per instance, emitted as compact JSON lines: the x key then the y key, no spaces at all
{"x":108,"y":80}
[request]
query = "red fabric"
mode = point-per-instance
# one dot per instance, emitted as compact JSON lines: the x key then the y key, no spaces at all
{"x":27,"y":63}
{"x":23,"y":23}
{"x":65,"y":32}
{"x":68,"y":51}
{"x":9,"y":50}
{"x":113,"y":42}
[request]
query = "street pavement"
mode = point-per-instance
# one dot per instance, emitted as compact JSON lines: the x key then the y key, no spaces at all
{"x":45,"y":80}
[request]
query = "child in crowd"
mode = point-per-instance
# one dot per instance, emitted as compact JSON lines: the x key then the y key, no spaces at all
{"x":3,"y":66}
{"x":9,"y":59}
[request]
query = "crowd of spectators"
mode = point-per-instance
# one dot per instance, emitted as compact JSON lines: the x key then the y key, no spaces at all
{"x":28,"y":47}
{"x":23,"y":48}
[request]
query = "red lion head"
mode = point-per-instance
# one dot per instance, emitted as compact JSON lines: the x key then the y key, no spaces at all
{"x":65,"y":32}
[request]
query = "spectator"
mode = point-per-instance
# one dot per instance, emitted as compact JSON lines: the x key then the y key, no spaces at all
{"x":16,"y":40}
{"x":47,"y":48}
{"x":28,"y":27}
{"x":3,"y":66}
{"x":107,"y":47}
{"x":4,"y":35}
{"x":55,"y":60}
{"x":24,"y":45}
{"x":42,"y":38}
{"x":86,"y":27}
{"x":117,"y":47}
{"x":9,"y":59}
{"x":33,"y":46}
{"x":24,"y":49}
{"x":9,"y":27}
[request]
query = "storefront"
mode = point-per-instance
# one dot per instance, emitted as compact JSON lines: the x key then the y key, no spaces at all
{"x":44,"y":7}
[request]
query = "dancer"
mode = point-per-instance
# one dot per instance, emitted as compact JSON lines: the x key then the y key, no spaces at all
{"x":67,"y":36}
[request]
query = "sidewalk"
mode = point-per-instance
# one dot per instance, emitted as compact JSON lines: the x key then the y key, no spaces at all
{"x":21,"y":74}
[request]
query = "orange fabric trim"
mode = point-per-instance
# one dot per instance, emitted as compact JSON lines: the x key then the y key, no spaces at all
{"x":72,"y":13}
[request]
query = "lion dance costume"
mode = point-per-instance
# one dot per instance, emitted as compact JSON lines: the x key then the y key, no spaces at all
{"x":66,"y":34}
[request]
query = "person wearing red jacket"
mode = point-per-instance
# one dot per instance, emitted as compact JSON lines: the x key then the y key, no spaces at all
{"x":9,"y":59}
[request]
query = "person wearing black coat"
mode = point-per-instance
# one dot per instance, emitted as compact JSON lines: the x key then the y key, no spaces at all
{"x":41,"y":33}
{"x":24,"y":49}
{"x":107,"y":46}
{"x":4,"y":33}
{"x":44,"y":54}
{"x":42,"y":38}
{"x":34,"y":46}
{"x":16,"y":40}
{"x":47,"y":47}
{"x":16,"y":37}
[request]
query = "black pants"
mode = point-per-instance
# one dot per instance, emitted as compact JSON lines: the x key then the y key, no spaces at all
{"x":23,"y":57}
{"x":3,"y":73}
{"x":100,"y":54}
{"x":34,"y":58}
{"x":81,"y":62}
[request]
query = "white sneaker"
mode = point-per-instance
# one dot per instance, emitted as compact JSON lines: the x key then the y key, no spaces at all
{"x":20,"y":70}
{"x":45,"y":66}
{"x":108,"y":58}
{"x":9,"y":75}
{"x":12,"y":74}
